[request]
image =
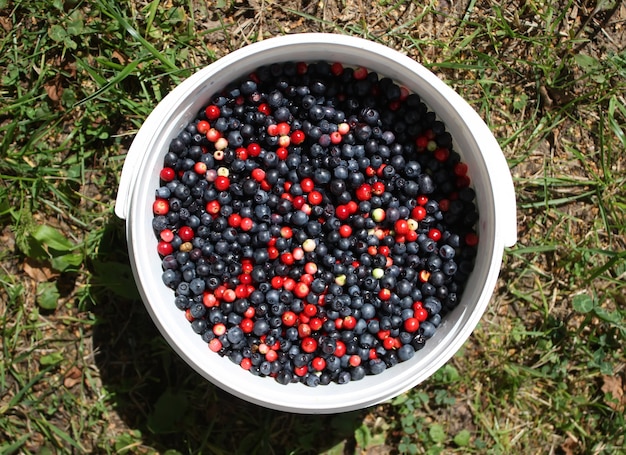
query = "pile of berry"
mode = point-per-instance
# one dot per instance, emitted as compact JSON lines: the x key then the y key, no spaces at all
{"x":315,"y":223}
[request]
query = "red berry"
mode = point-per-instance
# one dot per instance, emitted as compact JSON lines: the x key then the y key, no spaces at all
{"x":229,"y":295}
{"x":215,"y":345}
{"x":418,"y":213}
{"x":401,"y":227}
{"x":335,"y":137}
{"x":277,"y":282}
{"x":304,"y":330}
{"x":310,"y":310}
{"x":246,"y":363}
{"x":336,"y":69}
{"x":200,"y":168}
{"x":460,"y":169}
{"x":349,"y":322}
{"x":289,"y":318}
{"x":342,"y":212}
{"x":283,"y":128}
{"x":421,"y":142}
{"x":209,"y":300}
{"x":471,"y":239}
{"x":186,"y":233}
{"x":258,"y":174}
{"x":354,"y":360}
{"x":340,"y":349}
{"x":315,"y":198}
{"x":307,"y":185}
{"x":203,"y":126}
{"x":297,"y":137}
{"x":389,"y":343}
{"x":364,"y":192}
{"x":246,"y":224}
{"x":234,"y":220}
{"x":254,"y":149}
{"x":318,"y":363}
{"x":301,"y":291}
{"x":213,"y":135}
{"x":411,"y":324}
{"x":434,"y":234}
{"x":384,"y":294}
{"x":271,"y":355}
{"x":298,"y":202}
{"x":302,"y":68}
{"x":282,"y":153}
{"x":301,"y":371}
{"x":161,"y":207}
{"x":166,"y":235}
{"x":309,"y":344}
{"x":442,"y":154}
{"x":242,"y":153}
{"x":272,"y":252}
{"x":167,"y":174}
{"x":219,"y":329}
{"x":420,"y":314}
{"x":378,"y":188}
{"x":247,"y":325}
{"x":359,"y":73}
{"x":213,"y":207}
{"x":241,"y":291}
{"x":316,"y":323}
{"x":287,"y":258}
{"x":345,"y":230}
{"x":165,"y":248}
{"x":212,"y":112}
{"x":222,"y":183}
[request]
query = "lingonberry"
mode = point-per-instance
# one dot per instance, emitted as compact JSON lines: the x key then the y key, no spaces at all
{"x":167,"y":174}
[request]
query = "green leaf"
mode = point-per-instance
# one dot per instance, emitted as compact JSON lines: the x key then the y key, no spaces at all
{"x":51,"y":359}
{"x":608,"y":316}
{"x":437,"y":433}
{"x":363,"y":436}
{"x":462,"y":438}
{"x":586,"y":62}
{"x":75,"y":26}
{"x":57,"y":33}
{"x":520,"y":101}
{"x":48,"y":295}
{"x":67,"y":262}
{"x":582,"y":303}
{"x":168,"y":412}
{"x":52,"y":238}
{"x":125,"y":442}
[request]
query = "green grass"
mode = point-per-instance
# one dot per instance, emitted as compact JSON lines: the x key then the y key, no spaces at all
{"x":82,"y":368}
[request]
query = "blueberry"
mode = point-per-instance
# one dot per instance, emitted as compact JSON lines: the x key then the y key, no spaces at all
{"x":406,"y":352}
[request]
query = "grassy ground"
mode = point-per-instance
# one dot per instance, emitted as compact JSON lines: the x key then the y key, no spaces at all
{"x":82,"y":368}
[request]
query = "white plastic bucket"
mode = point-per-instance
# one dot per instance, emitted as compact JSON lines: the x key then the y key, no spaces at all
{"x":478,"y":148}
